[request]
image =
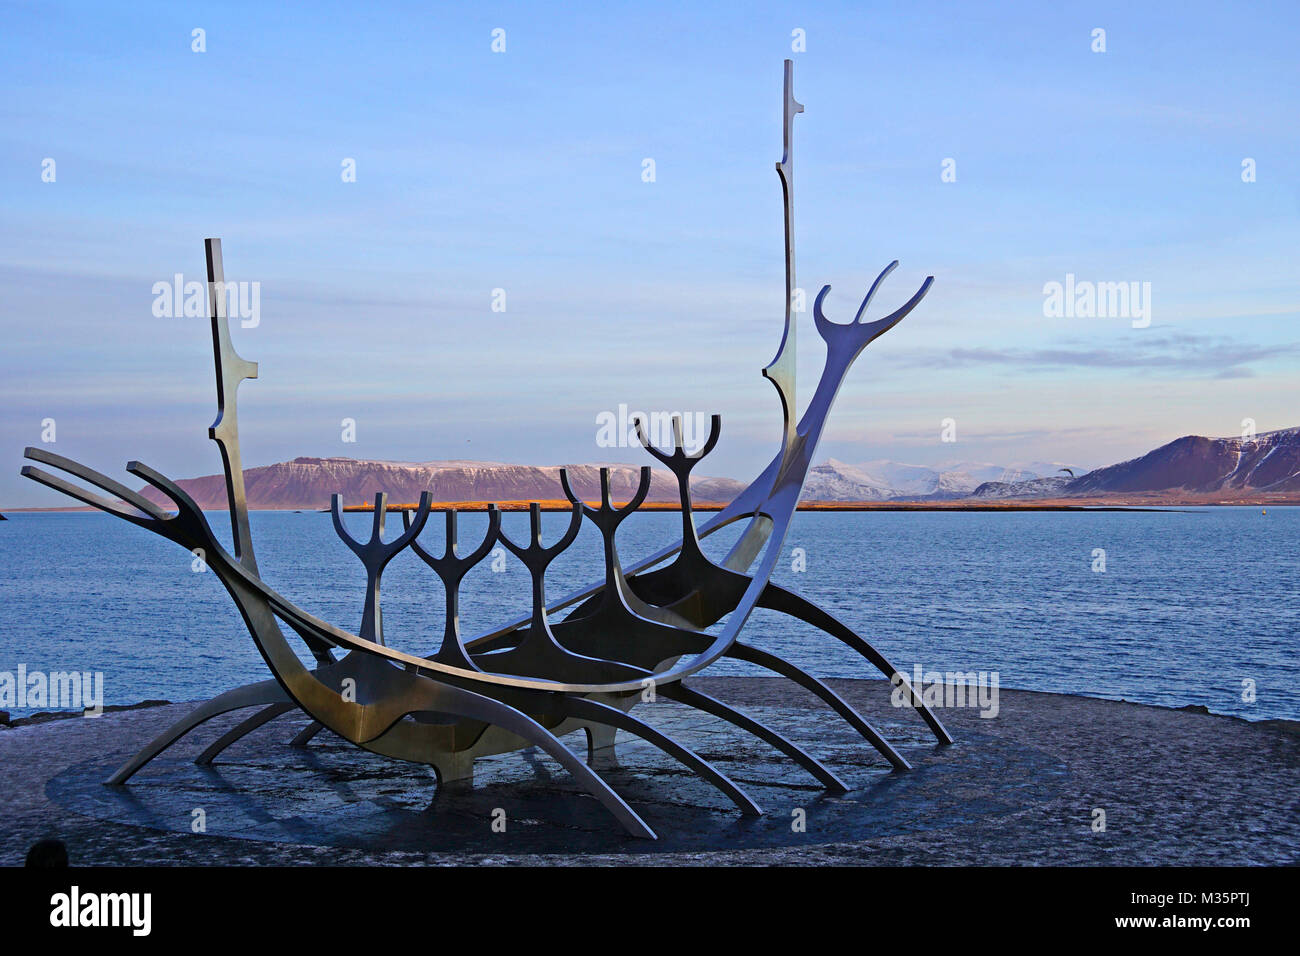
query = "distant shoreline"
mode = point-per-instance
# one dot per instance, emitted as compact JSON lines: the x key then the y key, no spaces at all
{"x":829,"y":506}
{"x":1101,"y":504}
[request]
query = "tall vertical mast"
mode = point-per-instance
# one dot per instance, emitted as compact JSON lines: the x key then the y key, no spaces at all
{"x":781,"y":371}
{"x":231,"y":370}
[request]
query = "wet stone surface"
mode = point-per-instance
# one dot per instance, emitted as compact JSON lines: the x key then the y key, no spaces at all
{"x":1177,"y":787}
{"x":332,"y":795}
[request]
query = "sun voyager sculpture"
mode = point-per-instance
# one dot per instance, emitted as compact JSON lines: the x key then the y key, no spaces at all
{"x":582,"y":662}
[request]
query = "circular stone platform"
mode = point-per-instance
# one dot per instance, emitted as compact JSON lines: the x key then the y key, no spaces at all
{"x":1177,"y":787}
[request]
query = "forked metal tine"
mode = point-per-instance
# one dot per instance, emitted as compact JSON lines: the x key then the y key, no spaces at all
{"x":376,"y":550}
{"x":78,"y":470}
{"x":715,"y":432}
{"x":871,"y":293}
{"x":897,"y":316}
{"x":535,"y":524}
{"x":858,"y":330}
{"x":604,"y":490}
{"x":571,"y":494}
{"x":524,"y":552}
{"x":534,"y":553}
{"x":184,"y":503}
{"x":642,"y":489}
{"x":412,"y":529}
{"x":679,"y":461}
{"x":336,"y":512}
{"x":570,"y":535}
{"x":407,"y":523}
{"x":87,"y":497}
{"x":452,"y":560}
{"x":608,"y":513}
{"x":489,"y":539}
{"x":645,"y":443}
{"x":378,"y":519}
{"x":824,"y":325}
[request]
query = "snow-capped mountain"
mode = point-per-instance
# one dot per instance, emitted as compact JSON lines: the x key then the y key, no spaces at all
{"x":1269,"y":462}
{"x":884,"y":480}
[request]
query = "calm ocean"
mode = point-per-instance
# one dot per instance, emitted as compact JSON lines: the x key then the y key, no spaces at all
{"x":1190,"y":606}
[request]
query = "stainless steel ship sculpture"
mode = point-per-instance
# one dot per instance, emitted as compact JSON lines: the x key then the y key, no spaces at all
{"x":535,"y":679}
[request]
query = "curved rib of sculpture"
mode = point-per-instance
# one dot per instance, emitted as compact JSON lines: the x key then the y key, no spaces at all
{"x":533,"y":680}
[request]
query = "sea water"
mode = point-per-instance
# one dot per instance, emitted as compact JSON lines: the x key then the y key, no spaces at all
{"x":1170,"y":607}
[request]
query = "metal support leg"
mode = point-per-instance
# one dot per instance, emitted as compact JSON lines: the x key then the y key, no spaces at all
{"x":307,"y":733}
{"x":243,"y":729}
{"x":743,"y":652}
{"x":777,"y":598}
{"x":612,"y":716}
{"x":600,"y":739}
{"x":263,"y":692}
{"x":693,"y":698}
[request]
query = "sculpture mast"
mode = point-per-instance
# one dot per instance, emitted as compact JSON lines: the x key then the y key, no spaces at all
{"x":231,"y":370}
{"x":781,"y":370}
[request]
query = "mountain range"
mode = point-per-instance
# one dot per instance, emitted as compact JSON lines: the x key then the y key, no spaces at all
{"x":309,"y":482}
{"x":1268,"y":463}
{"x":884,"y":480}
{"x":1192,"y":469}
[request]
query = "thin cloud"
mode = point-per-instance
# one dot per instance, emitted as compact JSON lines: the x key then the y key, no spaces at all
{"x":1173,"y":352}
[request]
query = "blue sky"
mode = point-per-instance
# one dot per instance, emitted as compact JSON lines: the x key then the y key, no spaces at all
{"x":522,"y":171}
